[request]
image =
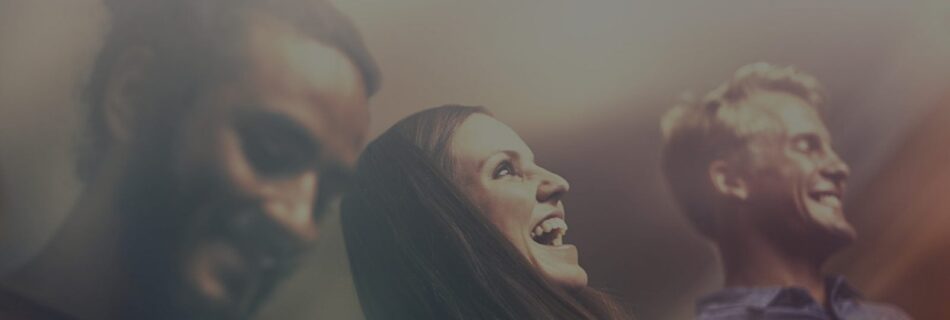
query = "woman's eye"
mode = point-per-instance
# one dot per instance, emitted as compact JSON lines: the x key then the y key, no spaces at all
{"x":504,"y":169}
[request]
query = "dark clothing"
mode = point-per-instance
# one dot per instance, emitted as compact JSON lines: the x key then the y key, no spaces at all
{"x":788,"y":303}
{"x":16,"y":307}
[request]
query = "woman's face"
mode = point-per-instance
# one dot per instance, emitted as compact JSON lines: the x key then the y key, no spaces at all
{"x":497,"y":170}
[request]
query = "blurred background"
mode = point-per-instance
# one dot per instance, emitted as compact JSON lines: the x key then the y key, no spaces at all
{"x":584,"y":82}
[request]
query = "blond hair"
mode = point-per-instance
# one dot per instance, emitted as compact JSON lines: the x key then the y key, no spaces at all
{"x":717,"y":127}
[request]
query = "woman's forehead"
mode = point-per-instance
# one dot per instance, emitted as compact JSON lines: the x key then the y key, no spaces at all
{"x":481,"y":136}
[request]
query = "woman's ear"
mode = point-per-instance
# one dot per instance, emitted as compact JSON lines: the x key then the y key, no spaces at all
{"x":123,"y":90}
{"x":726,"y":181}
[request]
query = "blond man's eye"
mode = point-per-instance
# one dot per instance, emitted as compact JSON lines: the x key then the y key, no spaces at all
{"x":808,"y":144}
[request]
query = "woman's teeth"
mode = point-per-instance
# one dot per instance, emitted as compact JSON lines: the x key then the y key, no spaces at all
{"x":550,"y":232}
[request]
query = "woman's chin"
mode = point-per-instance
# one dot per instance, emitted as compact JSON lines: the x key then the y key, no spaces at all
{"x":559,"y":265}
{"x":568,"y":276}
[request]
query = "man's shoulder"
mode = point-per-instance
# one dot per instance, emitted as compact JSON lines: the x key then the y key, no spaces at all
{"x":878,"y":311}
{"x":738,"y":303}
{"x":861,"y":310}
{"x":850,"y":304}
{"x":14,"y":306}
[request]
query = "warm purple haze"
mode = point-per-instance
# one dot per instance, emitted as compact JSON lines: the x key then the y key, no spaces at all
{"x":584,"y":82}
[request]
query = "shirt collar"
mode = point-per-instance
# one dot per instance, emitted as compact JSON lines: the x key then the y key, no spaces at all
{"x":836,"y":287}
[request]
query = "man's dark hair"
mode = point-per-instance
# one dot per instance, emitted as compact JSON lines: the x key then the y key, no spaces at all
{"x":193,"y":43}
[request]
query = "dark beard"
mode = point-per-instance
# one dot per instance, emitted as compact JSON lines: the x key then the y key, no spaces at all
{"x":149,"y":232}
{"x":158,"y":226}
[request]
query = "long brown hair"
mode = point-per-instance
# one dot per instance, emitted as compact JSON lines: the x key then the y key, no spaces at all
{"x":419,"y":249}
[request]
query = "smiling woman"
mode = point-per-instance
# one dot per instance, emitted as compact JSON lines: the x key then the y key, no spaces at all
{"x":450,"y":218}
{"x":496,"y":169}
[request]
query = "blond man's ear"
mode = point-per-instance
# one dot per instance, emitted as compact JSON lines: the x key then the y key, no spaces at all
{"x":727,"y":181}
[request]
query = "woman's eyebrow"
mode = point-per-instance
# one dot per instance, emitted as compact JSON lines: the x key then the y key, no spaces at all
{"x":515,"y":155}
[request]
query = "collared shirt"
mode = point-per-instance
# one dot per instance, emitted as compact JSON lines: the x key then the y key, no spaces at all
{"x":787,"y":303}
